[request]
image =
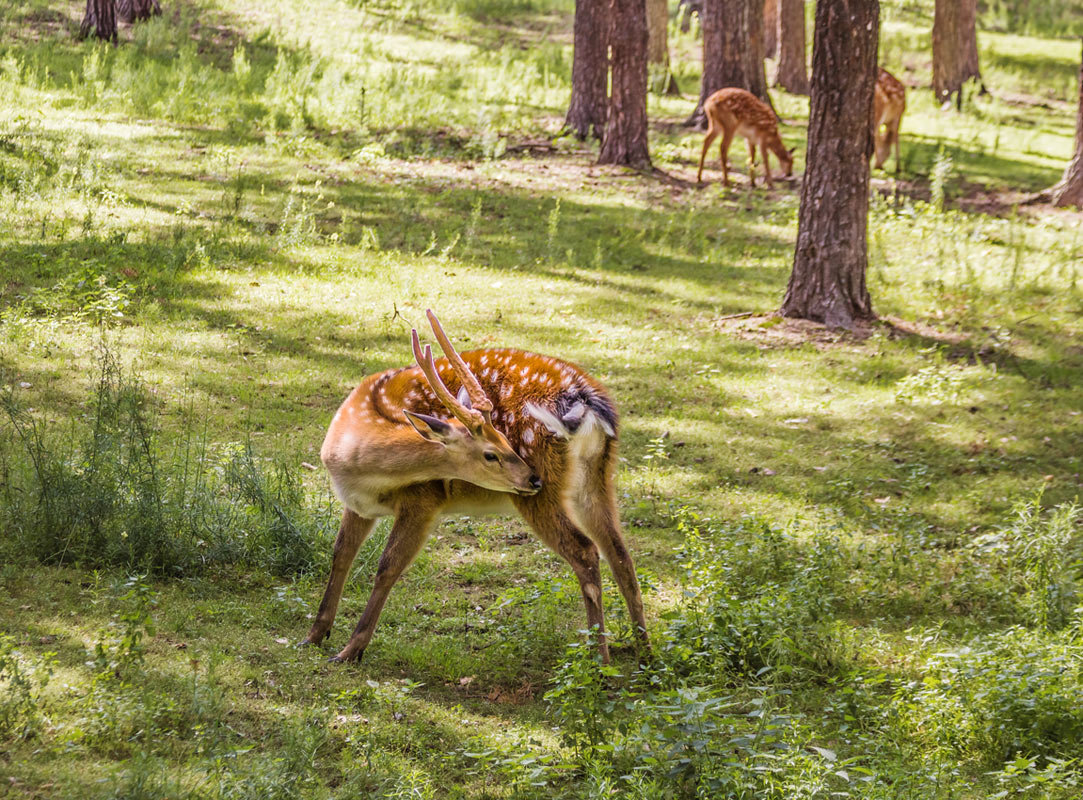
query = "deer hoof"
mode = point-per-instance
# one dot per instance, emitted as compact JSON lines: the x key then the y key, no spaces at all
{"x":345,"y":658}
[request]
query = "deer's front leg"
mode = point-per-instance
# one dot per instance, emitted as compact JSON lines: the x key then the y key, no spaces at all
{"x":412,"y":527}
{"x":352,"y":533}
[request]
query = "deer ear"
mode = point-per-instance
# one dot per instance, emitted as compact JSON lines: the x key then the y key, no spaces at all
{"x":792,"y":150}
{"x":430,"y":428}
{"x":464,"y":397}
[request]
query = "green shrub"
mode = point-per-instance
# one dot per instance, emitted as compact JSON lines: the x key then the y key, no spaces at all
{"x":1016,"y":691}
{"x":110,"y":493}
{"x":22,"y":681}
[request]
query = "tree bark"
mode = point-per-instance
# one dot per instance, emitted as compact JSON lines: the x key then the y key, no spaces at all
{"x":757,"y":71}
{"x":129,"y":11}
{"x":955,"y":49}
{"x":1069,"y":192}
{"x":590,"y":70}
{"x":726,"y":58}
{"x":792,"y":72}
{"x":770,"y":28}
{"x":968,"y":43}
{"x":658,"y":44}
{"x":625,"y":139}
{"x":828,"y":280}
{"x":101,"y":20}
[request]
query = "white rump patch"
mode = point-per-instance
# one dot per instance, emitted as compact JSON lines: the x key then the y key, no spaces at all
{"x":548,"y":419}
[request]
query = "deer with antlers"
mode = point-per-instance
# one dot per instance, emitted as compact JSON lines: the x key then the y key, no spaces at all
{"x":889,"y":103}
{"x":736,"y":112}
{"x":485,"y":431}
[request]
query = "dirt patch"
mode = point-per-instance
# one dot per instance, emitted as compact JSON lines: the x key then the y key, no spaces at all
{"x":774,"y":331}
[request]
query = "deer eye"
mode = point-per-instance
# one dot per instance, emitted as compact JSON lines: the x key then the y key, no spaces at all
{"x":491,"y":456}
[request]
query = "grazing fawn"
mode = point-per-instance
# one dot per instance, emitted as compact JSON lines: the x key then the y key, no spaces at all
{"x":733,"y":112}
{"x":487,"y":431}
{"x":889,"y":102}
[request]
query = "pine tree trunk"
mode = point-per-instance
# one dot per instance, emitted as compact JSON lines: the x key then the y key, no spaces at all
{"x":952,"y":44}
{"x":590,"y":70}
{"x":968,"y":42}
{"x":792,"y":73}
{"x":770,"y":28}
{"x":658,"y":44}
{"x":625,"y":139}
{"x":726,"y":59}
{"x":757,"y":71}
{"x":1069,"y":192}
{"x":828,"y":280}
{"x":130,"y":10}
{"x":101,"y":20}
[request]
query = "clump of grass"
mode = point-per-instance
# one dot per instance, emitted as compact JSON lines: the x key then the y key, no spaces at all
{"x":110,"y":492}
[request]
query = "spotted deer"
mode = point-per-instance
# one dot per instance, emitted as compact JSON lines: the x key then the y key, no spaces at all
{"x":733,"y":112}
{"x":487,"y":431}
{"x":889,"y":103}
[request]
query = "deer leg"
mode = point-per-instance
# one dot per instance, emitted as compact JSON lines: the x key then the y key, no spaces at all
{"x":711,"y":134}
{"x":591,"y":503}
{"x":752,"y":162}
{"x":554,"y":528}
{"x":723,"y":155}
{"x":594,"y":508}
{"x":767,"y":166}
{"x":412,"y":527}
{"x":895,"y":140}
{"x":352,"y":533}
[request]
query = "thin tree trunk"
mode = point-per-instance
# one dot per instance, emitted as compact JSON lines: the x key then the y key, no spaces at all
{"x":757,"y":71}
{"x":101,"y":20}
{"x":955,"y":49}
{"x":130,"y":10}
{"x":968,"y":42}
{"x":770,"y":28}
{"x":1069,"y":192}
{"x":590,"y":70}
{"x":792,"y":72}
{"x":625,"y":139}
{"x":658,"y":44}
{"x":726,"y":60}
{"x":828,"y":280}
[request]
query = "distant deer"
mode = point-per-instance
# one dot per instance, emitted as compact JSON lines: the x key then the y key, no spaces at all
{"x":889,"y":102}
{"x":733,"y":112}
{"x":523,"y":431}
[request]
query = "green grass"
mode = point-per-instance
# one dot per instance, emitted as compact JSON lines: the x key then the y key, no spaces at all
{"x":826,"y":525}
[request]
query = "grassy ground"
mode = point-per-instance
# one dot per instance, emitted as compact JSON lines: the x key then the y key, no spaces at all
{"x":205,"y":245}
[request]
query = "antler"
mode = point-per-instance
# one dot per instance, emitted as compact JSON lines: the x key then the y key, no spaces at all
{"x":478,"y":399}
{"x":467,"y":416}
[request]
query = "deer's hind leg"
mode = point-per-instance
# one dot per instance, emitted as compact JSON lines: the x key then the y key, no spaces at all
{"x":352,"y":533}
{"x":724,"y":155}
{"x":712,"y":132}
{"x":591,"y":502}
{"x":894,"y":132}
{"x":556,"y":529}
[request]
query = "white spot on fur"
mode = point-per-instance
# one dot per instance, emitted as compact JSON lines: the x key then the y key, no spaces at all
{"x":528,"y":436}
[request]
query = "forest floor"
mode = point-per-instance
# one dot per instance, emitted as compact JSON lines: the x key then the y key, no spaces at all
{"x":858,"y":549}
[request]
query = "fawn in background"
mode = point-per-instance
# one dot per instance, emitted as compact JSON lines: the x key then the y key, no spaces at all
{"x":732,"y":112}
{"x":889,"y":103}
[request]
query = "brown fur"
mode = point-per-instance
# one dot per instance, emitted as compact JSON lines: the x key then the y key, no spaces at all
{"x":381,"y":464}
{"x":734,"y":111}
{"x":889,"y":103}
